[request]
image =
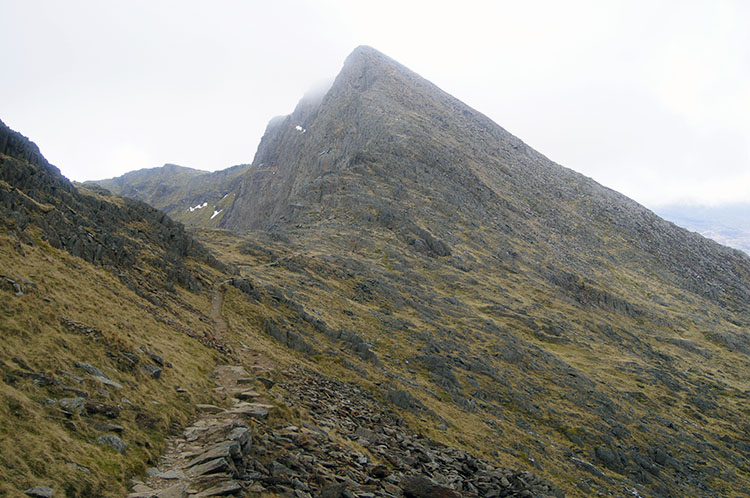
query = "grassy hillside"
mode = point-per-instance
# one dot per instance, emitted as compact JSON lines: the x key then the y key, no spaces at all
{"x":588,"y":395}
{"x":70,"y":313}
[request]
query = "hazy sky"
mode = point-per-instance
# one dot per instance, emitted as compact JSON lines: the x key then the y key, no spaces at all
{"x":649,"y":98}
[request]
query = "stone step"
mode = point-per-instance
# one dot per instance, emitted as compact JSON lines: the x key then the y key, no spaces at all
{"x":212,"y":467}
{"x":252,"y":410}
{"x":229,"y":450}
{"x":223,"y":489}
{"x":247,"y":395}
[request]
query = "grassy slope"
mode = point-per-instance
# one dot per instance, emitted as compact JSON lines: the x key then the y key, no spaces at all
{"x":42,"y":445}
{"x":641,"y":377}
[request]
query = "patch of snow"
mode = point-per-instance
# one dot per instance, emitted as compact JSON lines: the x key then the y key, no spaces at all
{"x":300,"y":129}
{"x":225,"y":196}
{"x":199,"y":206}
{"x":216,"y":212}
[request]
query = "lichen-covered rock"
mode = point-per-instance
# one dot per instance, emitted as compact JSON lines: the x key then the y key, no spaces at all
{"x":113,"y":442}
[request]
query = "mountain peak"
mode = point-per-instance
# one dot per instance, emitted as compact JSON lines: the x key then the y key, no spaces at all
{"x":365,"y":66}
{"x":366,"y":54}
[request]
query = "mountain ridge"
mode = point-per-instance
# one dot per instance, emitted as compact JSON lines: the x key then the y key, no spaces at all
{"x":177,"y":190}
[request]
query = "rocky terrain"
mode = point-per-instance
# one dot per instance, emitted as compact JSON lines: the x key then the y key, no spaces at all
{"x":356,"y":447}
{"x":397,"y":298}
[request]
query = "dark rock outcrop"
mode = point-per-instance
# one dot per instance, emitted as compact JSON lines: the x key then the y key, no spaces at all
{"x":34,"y":193}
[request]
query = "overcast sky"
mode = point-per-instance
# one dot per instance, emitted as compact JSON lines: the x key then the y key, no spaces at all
{"x":649,"y":98}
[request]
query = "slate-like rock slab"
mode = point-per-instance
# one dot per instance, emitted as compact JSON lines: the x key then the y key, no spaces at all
{"x":248,"y":395}
{"x":223,"y":489}
{"x":209,"y":408}
{"x":211,"y":467}
{"x":90,"y":369}
{"x":252,"y":410}
{"x":176,"y":491}
{"x":228,"y":450}
{"x":39,"y":492}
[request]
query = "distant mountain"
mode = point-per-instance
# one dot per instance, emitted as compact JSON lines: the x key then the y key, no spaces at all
{"x":728,"y":224}
{"x":420,"y":257}
{"x":191,"y":196}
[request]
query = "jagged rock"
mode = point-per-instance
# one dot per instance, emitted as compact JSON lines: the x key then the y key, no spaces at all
{"x":152,"y":371}
{"x":113,"y":442}
{"x":39,"y":492}
{"x":175,"y":491}
{"x":610,"y":458}
{"x":78,"y":392}
{"x":252,"y":410}
{"x":156,"y":358}
{"x":286,"y":336}
{"x":229,"y":450}
{"x":98,"y":408}
{"x":108,"y":382}
{"x":243,"y":437}
{"x":268,"y":383}
{"x":587,"y":466}
{"x":247,"y":395}
{"x":380,"y":471}
{"x":169,"y":474}
{"x":106,"y":427}
{"x":90,"y":369}
{"x":72,"y":405}
{"x":403,"y":399}
{"x":333,"y":491}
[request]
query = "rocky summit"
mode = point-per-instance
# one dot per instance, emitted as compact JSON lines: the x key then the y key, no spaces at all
{"x":397,"y":297}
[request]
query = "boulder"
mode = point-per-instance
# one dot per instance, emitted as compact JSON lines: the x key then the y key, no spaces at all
{"x":72,"y":405}
{"x":39,"y":492}
{"x":113,"y":442}
{"x":151,"y":370}
{"x":422,"y":487}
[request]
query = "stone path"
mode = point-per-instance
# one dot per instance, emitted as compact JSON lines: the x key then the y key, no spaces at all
{"x":220,"y":325}
{"x":346,"y":444}
{"x":211,"y":455}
